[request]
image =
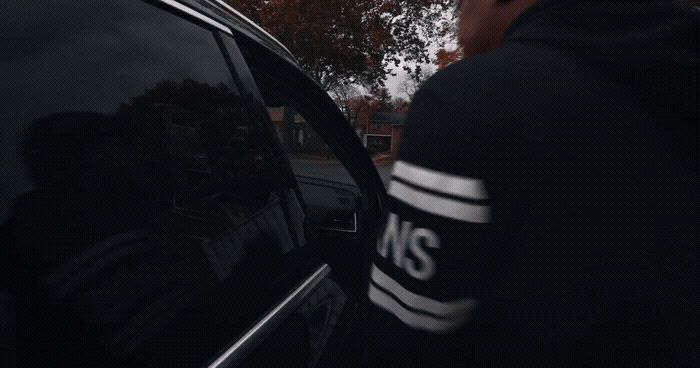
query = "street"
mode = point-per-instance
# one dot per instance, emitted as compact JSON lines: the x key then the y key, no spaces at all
{"x":334,"y":170}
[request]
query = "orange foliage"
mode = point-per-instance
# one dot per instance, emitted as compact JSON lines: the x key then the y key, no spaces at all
{"x":349,"y":41}
{"x":447,"y":57}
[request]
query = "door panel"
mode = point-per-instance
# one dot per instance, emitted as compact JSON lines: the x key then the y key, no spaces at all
{"x":302,"y":338}
{"x":151,"y":225}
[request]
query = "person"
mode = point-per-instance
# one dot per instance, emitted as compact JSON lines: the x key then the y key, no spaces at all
{"x":543,"y":207}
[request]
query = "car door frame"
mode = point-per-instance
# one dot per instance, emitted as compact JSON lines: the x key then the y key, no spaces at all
{"x":257,"y":333}
{"x":340,"y":138}
{"x":347,"y":147}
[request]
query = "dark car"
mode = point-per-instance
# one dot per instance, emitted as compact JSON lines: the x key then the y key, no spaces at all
{"x":176,"y":191}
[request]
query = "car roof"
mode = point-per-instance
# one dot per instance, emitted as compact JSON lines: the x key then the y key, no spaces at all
{"x":224,"y":13}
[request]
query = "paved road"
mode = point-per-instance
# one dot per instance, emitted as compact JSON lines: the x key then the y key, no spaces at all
{"x":334,"y":171}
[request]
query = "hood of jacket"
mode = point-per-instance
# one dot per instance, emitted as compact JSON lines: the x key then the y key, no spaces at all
{"x":651,"y":48}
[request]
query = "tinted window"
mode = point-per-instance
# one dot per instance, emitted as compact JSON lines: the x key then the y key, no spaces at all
{"x":307,"y":151}
{"x":136,"y":187}
{"x":80,"y":56}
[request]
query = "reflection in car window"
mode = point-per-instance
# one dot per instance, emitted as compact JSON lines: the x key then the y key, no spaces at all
{"x":136,"y":180}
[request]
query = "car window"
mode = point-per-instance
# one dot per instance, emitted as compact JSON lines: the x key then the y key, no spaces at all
{"x":331,"y":195}
{"x":308,"y":153}
{"x":139,"y":188}
{"x":309,"y":131}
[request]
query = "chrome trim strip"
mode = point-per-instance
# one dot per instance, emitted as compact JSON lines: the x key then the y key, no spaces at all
{"x":251,"y":339}
{"x":197,"y":15}
{"x":244,"y":18}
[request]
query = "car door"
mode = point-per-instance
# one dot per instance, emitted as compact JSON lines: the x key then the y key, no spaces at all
{"x":340,"y":195}
{"x":153,"y":220}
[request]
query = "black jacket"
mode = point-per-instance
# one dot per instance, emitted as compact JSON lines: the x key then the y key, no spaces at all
{"x":543,"y":208}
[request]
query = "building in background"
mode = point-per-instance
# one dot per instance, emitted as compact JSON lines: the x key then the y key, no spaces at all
{"x":383,"y":133}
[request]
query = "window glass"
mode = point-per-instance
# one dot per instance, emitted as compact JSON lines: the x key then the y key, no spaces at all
{"x":137,"y":103}
{"x":332,"y":198}
{"x":134,"y":180}
{"x":309,"y":155}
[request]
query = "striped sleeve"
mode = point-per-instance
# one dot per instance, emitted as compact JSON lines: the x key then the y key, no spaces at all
{"x":445,"y":195}
{"x":429,"y":269}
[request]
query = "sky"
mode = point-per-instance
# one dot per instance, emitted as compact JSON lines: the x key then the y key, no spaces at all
{"x":394,"y":82}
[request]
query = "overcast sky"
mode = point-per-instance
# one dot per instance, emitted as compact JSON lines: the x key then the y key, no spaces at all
{"x":393,"y":83}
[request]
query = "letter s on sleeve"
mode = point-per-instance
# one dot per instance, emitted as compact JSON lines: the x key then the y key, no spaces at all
{"x":425,"y":269}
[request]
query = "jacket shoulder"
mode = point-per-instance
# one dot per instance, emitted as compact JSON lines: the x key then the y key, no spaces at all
{"x":511,"y":70}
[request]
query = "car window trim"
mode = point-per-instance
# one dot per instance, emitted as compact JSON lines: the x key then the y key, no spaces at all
{"x":256,"y":26}
{"x":272,"y":319}
{"x":196,"y":14}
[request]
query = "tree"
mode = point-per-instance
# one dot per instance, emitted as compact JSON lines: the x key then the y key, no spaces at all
{"x":414,"y":80}
{"x":381,"y":100}
{"x":351,"y":41}
{"x":446,"y":57}
{"x":360,"y":109}
{"x":400,"y":105}
{"x":344,"y":95}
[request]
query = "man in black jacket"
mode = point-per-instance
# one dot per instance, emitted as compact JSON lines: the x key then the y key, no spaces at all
{"x":543,"y":208}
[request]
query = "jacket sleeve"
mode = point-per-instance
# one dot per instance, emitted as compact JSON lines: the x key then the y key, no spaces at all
{"x":429,"y":270}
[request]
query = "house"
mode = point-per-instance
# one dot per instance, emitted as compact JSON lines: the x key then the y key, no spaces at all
{"x":383,"y":132}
